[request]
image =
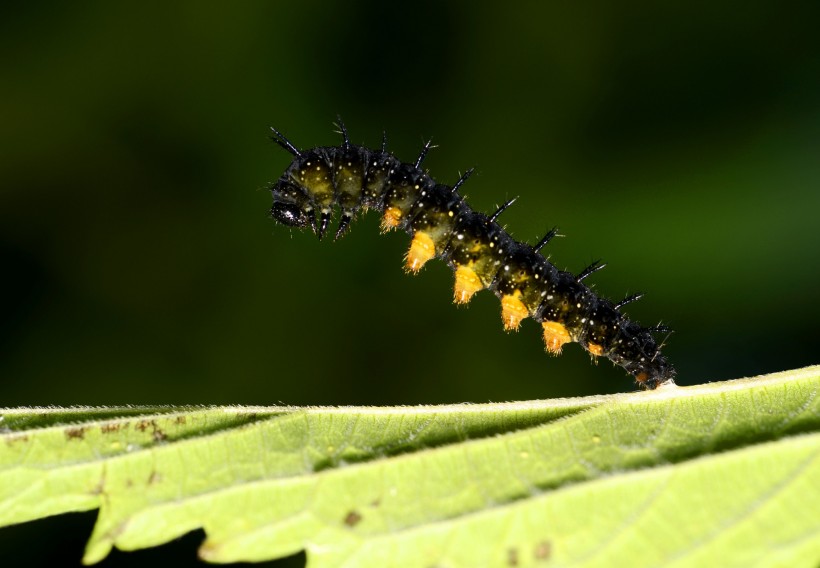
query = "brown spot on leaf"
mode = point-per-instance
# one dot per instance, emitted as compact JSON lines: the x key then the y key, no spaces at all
{"x":543,"y":550}
{"x":156,"y":433}
{"x":155,"y":477}
{"x":353,"y":518}
{"x":109,"y":427}
{"x":75,"y":433}
{"x":512,"y":557}
{"x":180,"y":419}
{"x":376,"y":502}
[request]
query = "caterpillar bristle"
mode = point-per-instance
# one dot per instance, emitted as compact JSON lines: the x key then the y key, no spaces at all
{"x":343,"y":131}
{"x":629,"y":300}
{"x":500,"y":210}
{"x":660,"y":328}
{"x":547,"y":238}
{"x":284,"y":142}
{"x":423,"y":153}
{"x":591,"y":269}
{"x":464,"y":177}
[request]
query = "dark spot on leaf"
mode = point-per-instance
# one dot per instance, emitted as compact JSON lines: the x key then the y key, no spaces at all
{"x":376,"y":502}
{"x":353,"y":518}
{"x":75,"y":433}
{"x":543,"y":550}
{"x":181,"y":419}
{"x":512,"y":557}
{"x":155,"y":477}
{"x":129,"y":482}
{"x":109,"y":427}
{"x":156,"y":433}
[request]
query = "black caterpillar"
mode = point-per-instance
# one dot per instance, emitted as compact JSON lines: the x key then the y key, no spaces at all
{"x":477,"y":248}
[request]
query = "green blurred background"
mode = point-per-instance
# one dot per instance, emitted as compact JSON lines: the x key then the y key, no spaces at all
{"x":678,"y":141}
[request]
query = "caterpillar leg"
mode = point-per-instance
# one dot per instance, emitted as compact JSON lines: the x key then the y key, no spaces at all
{"x":513,"y":311}
{"x":391,"y":218}
{"x":422,"y":249}
{"x":467,"y":284}
{"x":555,"y":336}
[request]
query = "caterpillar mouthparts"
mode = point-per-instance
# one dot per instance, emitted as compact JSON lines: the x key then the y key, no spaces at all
{"x":480,"y":252}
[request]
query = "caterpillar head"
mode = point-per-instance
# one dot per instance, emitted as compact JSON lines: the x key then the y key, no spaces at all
{"x":291,"y":207}
{"x":289,"y":214}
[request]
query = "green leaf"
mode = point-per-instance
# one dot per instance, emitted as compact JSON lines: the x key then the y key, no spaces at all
{"x":720,"y":474}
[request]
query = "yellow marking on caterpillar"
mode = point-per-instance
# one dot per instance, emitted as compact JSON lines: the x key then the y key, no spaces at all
{"x":391,"y":218}
{"x":467,"y":284}
{"x":513,"y":311}
{"x":555,"y":336}
{"x":595,"y":349}
{"x":422,"y":249}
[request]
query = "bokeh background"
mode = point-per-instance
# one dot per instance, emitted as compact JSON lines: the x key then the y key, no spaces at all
{"x":679,"y":141}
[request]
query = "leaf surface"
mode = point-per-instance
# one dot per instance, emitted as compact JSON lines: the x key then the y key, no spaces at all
{"x":723,"y":473}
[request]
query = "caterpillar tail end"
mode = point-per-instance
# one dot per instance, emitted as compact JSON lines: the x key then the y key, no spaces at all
{"x":652,"y":381}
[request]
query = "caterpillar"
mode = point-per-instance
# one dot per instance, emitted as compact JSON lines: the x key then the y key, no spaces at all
{"x":478,"y":249}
